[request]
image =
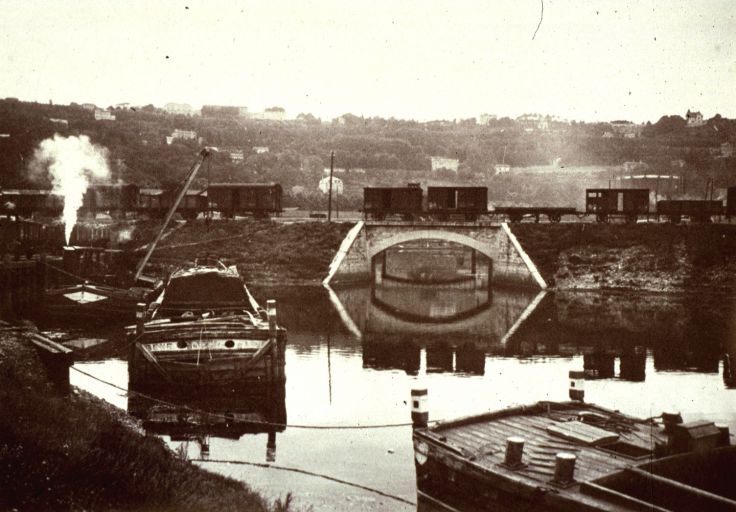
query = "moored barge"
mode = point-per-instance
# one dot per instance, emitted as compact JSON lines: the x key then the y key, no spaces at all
{"x":573,"y":456}
{"x":204,"y":331}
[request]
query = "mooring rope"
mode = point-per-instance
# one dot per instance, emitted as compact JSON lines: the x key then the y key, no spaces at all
{"x":80,"y":278}
{"x":310,"y":473}
{"x":253,"y":422}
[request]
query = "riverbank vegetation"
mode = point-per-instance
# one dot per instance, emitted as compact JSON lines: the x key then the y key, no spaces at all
{"x":265,"y":252}
{"x":78,"y":453}
{"x":646,"y":257}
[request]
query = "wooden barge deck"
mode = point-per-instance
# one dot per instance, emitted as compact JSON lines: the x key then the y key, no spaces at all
{"x":510,"y":460}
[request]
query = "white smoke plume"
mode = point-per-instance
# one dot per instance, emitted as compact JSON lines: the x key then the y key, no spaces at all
{"x":71,"y":163}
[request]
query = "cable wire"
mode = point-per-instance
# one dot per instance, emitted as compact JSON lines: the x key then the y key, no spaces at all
{"x":310,"y":473}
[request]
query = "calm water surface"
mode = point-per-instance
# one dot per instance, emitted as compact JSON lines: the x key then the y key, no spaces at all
{"x":354,"y":355}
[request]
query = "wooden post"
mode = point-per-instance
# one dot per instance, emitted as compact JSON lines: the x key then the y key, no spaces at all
{"x":419,"y":408}
{"x":577,"y":385}
{"x":140,"y":318}
{"x":329,"y":200}
{"x":273,"y":339}
{"x":271,"y":447}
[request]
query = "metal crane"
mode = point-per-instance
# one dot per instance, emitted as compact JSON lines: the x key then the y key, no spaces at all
{"x":183,"y":190}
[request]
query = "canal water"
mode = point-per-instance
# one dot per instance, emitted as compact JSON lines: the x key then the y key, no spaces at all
{"x":354,"y":354}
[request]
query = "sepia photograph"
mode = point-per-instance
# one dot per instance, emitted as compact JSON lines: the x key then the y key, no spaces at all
{"x":371,"y":256}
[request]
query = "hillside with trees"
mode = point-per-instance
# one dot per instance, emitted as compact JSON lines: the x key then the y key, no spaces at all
{"x":373,"y":151}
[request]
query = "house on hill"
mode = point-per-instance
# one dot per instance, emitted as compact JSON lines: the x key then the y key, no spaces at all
{"x":104,"y":115}
{"x":441,"y":162}
{"x":694,"y":119}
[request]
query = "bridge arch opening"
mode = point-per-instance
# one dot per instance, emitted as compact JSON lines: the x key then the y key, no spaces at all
{"x":432,"y":261}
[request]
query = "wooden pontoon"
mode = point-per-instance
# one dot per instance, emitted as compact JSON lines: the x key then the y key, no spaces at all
{"x":573,"y":456}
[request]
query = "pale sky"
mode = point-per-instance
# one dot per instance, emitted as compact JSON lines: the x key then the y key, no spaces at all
{"x":425,"y":59}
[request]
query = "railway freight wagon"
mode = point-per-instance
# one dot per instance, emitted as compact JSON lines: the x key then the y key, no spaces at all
{"x":258,"y":199}
{"x":695,"y":210}
{"x":156,"y":202}
{"x":731,"y":202}
{"x":617,"y":202}
{"x":117,"y":200}
{"x":27,"y":202}
{"x":466,"y":201}
{"x":381,"y":201}
{"x":26,"y":237}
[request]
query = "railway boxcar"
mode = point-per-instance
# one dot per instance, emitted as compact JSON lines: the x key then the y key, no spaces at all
{"x":381,"y":201}
{"x":27,"y":237}
{"x":27,"y":202}
{"x":258,"y":199}
{"x":617,"y":202}
{"x":156,"y":202}
{"x":731,"y":202}
{"x":467,"y":201}
{"x":113,"y":199}
{"x":695,"y":210}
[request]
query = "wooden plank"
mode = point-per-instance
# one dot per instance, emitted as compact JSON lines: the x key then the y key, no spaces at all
{"x":582,"y":432}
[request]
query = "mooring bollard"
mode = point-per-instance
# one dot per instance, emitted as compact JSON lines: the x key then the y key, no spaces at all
{"x":514,"y":451}
{"x":271,"y":311}
{"x":140,"y":318}
{"x":419,"y":412}
{"x":577,"y":385}
{"x":271,"y":447}
{"x":564,"y":468}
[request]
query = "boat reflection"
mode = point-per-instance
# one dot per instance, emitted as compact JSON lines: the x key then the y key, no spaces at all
{"x":191,"y":417}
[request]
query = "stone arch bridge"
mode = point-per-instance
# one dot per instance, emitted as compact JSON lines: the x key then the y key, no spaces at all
{"x":510,"y":264}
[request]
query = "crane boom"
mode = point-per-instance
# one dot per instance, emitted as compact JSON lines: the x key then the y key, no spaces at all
{"x":185,"y":186}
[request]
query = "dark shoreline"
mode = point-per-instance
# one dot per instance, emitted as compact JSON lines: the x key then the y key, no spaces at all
{"x":73,"y":452}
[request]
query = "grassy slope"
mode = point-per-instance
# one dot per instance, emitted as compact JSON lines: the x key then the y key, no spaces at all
{"x":702,"y":255}
{"x":75,"y":453}
{"x":265,"y":252}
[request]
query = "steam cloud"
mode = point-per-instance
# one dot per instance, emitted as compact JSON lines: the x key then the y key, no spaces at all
{"x":71,"y":163}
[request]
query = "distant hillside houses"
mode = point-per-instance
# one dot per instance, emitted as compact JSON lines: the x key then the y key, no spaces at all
{"x":625,"y":129}
{"x":441,"y":162}
{"x":694,"y":119}
{"x":631,"y":167}
{"x":260,"y":149}
{"x":236,"y":155}
{"x":532,"y":122}
{"x":62,"y":122}
{"x":324,"y":185}
{"x":89,"y":106}
{"x":181,"y":135}
{"x":486,"y":118}
{"x":726,"y":150}
{"x":183,"y":109}
{"x":270,"y":114}
{"x":224,"y":111}
{"x":502,"y":168}
{"x":104,"y":115}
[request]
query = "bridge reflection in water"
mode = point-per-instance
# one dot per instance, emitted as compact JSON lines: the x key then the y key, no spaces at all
{"x":439,"y":328}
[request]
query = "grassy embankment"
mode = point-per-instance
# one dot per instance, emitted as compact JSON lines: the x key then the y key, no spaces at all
{"x":266,"y":253}
{"x":78,"y":453}
{"x":646,"y":257}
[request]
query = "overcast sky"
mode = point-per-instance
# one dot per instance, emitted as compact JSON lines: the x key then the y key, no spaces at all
{"x":590,"y":60}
